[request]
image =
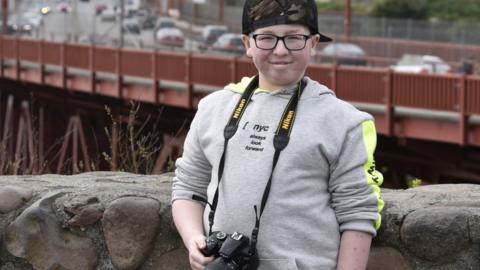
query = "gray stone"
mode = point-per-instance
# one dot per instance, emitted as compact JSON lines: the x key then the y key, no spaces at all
{"x":87,"y":215}
{"x":130,"y":225}
{"x":73,"y":205}
{"x":174,"y":260}
{"x":437,"y":234}
{"x":89,"y":193}
{"x":387,"y":258}
{"x":474,"y":227}
{"x":13,"y":197}
{"x":36,"y":235}
{"x":86,"y":210}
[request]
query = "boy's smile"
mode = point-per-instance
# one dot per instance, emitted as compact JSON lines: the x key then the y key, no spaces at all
{"x":280,"y":67}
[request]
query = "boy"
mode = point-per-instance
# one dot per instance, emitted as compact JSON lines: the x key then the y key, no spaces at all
{"x":289,"y":166}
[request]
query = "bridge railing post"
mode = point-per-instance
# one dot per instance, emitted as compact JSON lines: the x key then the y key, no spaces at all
{"x":93,"y":74}
{"x":41,"y":57}
{"x":389,"y":108}
{"x":463,"y":116}
{"x":189,"y":79}
{"x":64,"y":64}
{"x":155,"y":84}
{"x":119,"y":73}
{"x":17,"y":59}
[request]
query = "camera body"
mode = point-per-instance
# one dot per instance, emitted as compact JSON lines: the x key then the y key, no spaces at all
{"x":231,"y":251}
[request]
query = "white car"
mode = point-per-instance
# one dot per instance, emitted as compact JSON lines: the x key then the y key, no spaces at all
{"x":425,"y":64}
{"x":109,"y":14}
{"x":170,"y":37}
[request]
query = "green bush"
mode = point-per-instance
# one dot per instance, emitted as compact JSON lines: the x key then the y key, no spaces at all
{"x":450,"y":10}
{"x":414,"y":9}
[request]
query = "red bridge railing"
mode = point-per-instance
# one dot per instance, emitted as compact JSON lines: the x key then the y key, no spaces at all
{"x":181,"y":79}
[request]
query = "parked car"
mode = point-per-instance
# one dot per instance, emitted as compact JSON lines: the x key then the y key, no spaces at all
{"x":132,"y":27}
{"x":10,"y":29}
{"x":140,"y":14}
{"x":108,"y":14}
{"x":21,"y":25}
{"x":149,"y":22}
{"x":343,"y":54}
{"x":170,"y":37}
{"x":230,"y":43}
{"x":426,"y":64}
{"x":33,"y":18}
{"x":210,"y":34}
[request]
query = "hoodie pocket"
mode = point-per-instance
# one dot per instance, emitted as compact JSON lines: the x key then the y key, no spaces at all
{"x":278,"y":264}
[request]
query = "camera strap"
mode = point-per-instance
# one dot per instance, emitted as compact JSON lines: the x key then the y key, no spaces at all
{"x":280,"y":141}
{"x":228,"y":132}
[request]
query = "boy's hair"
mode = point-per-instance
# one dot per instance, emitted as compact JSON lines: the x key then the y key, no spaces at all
{"x":263,"y":13}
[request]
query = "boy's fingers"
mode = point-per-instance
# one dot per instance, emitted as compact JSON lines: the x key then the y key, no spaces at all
{"x":199,"y":260}
{"x":200,"y":242}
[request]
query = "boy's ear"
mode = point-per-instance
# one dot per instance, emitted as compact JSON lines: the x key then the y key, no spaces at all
{"x":315,"y":40}
{"x":246,"y":43}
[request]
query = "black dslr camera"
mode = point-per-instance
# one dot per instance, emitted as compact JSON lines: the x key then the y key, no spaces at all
{"x":231,"y":252}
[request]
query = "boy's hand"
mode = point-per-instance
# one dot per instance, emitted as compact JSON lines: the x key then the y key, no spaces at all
{"x":198,"y":261}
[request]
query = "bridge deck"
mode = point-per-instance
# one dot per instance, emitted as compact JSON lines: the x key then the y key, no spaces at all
{"x":438,"y":108}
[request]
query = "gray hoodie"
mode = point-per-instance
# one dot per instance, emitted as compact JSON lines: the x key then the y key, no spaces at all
{"x":324,"y":183}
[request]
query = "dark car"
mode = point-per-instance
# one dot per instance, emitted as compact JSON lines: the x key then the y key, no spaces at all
{"x":149,"y":22}
{"x":210,"y":34}
{"x":230,"y":43}
{"x":10,"y":28}
{"x":343,"y":54}
{"x":132,"y":27}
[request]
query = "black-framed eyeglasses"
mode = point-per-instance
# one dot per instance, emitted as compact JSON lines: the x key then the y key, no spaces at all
{"x":294,"y":42}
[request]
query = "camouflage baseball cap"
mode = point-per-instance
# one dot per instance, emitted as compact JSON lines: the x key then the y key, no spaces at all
{"x":276,"y":12}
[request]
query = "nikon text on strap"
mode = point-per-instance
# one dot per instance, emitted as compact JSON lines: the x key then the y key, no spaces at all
{"x":280,"y":141}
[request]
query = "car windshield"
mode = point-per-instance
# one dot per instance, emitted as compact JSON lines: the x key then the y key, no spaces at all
{"x":166,"y":24}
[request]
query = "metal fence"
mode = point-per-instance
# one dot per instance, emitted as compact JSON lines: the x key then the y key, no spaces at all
{"x":436,"y":31}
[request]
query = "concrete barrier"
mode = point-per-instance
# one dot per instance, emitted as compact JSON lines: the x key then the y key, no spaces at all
{"x":112,"y":220}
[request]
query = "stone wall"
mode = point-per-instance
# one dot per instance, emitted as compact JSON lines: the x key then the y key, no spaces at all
{"x":110,"y":220}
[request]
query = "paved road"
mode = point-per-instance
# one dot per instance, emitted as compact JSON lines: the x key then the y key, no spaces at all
{"x":81,"y":23}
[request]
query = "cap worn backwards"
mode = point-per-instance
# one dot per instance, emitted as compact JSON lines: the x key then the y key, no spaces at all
{"x":263,"y":13}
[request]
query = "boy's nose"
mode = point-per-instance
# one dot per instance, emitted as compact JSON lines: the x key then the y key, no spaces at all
{"x":280,"y":48}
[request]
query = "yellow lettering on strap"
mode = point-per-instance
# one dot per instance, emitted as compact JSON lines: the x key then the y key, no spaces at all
{"x":288,"y":120}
